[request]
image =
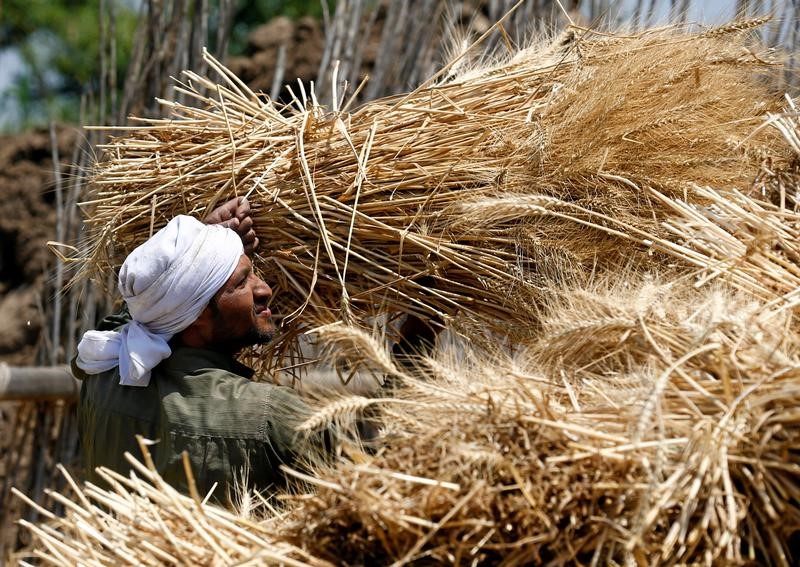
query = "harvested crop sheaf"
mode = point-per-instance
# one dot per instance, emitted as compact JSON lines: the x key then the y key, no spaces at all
{"x":655,"y":424}
{"x":142,"y":520}
{"x":459,"y":197}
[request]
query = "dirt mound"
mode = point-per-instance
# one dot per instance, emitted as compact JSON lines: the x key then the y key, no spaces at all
{"x":27,"y":222}
{"x":304,"y":42}
{"x":20,"y":324}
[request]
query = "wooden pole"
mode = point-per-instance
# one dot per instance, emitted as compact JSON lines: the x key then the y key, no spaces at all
{"x":37,"y":383}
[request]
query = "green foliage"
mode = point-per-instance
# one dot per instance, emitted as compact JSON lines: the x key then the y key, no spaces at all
{"x":59,"y":42}
{"x":76,"y":25}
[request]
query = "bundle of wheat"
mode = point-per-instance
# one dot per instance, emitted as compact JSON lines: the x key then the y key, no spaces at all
{"x":141,"y":520}
{"x":651,"y":422}
{"x":373,"y":211}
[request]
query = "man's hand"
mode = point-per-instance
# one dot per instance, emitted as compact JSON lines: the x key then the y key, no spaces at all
{"x":235,"y":214}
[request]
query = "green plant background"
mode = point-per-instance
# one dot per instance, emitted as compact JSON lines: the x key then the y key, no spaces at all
{"x":58,"y":43}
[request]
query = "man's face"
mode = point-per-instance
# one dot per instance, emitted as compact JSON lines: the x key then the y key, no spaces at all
{"x":239,"y":310}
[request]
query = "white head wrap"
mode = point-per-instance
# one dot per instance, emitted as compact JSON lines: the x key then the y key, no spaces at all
{"x":166,"y":282}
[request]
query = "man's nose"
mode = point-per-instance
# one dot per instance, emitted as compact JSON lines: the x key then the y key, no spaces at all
{"x":262,"y":290}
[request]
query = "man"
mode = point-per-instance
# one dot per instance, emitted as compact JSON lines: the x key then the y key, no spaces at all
{"x":166,"y":369}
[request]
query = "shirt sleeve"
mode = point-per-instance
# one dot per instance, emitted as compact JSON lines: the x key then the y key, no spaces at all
{"x":285,"y":412}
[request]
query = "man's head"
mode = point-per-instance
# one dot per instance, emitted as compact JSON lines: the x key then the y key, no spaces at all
{"x":168,"y":283}
{"x":237,"y":316}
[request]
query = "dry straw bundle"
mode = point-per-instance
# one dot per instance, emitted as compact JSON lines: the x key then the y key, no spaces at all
{"x":142,"y":520}
{"x":458,"y":198}
{"x":653,"y":425}
{"x":652,"y":420}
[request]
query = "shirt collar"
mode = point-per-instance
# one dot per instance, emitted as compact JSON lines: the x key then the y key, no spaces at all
{"x":189,"y":359}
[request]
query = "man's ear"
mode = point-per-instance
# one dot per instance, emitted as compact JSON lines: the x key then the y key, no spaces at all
{"x":199,"y":334}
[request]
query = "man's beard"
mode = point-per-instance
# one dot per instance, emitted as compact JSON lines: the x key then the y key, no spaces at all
{"x":257,"y":337}
{"x":226,"y":340}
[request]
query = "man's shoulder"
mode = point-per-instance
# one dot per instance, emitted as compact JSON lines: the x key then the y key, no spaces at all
{"x":207,"y":375}
{"x":205,"y":399}
{"x":102,"y":394}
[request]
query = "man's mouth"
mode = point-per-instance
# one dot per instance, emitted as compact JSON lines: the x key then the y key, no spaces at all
{"x":263,"y":312}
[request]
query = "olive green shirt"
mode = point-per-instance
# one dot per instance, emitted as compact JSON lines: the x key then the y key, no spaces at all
{"x":199,"y":401}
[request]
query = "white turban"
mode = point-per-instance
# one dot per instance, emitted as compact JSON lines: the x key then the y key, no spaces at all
{"x":166,"y":282}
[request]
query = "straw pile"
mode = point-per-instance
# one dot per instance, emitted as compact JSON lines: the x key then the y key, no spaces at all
{"x":144,"y":521}
{"x":626,"y":205}
{"x":652,"y":424}
{"x":652,"y":420}
{"x":373,"y":211}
